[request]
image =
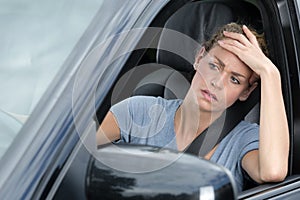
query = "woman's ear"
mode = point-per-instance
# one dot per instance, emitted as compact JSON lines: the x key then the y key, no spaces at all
{"x":246,"y":93}
{"x":199,"y":55}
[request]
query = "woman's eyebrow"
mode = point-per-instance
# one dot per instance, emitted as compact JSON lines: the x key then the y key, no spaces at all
{"x":238,"y":74}
{"x":220,"y":61}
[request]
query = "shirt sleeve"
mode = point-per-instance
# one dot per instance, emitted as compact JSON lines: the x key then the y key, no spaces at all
{"x":131,"y":115}
{"x":250,"y":142}
{"x":249,"y":139}
{"x":242,"y":139}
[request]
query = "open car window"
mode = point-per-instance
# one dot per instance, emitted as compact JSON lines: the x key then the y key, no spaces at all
{"x":67,"y":61}
{"x":36,"y":39}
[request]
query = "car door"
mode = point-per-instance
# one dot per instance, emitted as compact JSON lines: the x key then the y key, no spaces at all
{"x":282,"y":20}
{"x":34,"y":163}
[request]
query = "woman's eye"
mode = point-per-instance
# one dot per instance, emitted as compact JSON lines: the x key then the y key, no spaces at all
{"x":235,"y":80}
{"x":214,"y":66}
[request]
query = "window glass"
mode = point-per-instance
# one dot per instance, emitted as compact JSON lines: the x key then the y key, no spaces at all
{"x":297,"y":3}
{"x":36,"y":37}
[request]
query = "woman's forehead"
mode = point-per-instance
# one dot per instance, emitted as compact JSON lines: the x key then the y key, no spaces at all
{"x":228,"y":59}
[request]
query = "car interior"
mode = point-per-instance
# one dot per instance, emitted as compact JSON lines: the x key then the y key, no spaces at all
{"x":173,"y":72}
{"x":197,"y":20}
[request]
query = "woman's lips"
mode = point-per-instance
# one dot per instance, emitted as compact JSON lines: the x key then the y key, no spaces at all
{"x":209,"y":96}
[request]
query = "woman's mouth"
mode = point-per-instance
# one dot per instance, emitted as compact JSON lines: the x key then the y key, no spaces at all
{"x":209,"y":96}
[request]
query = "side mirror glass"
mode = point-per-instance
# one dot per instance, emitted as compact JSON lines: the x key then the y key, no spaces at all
{"x":145,"y":172}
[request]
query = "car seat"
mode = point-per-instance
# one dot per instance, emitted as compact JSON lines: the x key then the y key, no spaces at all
{"x":197,"y":21}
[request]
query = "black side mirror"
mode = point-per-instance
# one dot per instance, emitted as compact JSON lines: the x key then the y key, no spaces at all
{"x":144,"y":172}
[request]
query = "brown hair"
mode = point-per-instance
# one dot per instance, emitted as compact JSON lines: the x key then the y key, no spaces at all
{"x":237,"y":28}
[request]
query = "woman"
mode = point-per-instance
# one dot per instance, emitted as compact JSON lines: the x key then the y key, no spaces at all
{"x":228,"y":68}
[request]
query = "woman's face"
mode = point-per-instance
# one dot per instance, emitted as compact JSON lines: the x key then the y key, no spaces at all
{"x":221,"y":79}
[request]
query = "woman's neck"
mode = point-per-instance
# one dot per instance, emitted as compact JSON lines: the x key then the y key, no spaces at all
{"x":189,"y":122}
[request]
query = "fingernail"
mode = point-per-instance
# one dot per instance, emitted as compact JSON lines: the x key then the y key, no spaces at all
{"x":244,"y":26}
{"x":220,"y":42}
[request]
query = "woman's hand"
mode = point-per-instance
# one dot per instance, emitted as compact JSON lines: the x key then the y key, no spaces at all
{"x":270,"y":162}
{"x":248,"y":50}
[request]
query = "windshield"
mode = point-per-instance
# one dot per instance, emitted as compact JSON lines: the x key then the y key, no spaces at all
{"x":36,"y":38}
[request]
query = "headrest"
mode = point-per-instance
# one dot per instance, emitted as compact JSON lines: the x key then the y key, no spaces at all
{"x":197,"y":20}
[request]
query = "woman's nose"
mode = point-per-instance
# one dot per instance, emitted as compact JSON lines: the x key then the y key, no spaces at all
{"x":218,"y":81}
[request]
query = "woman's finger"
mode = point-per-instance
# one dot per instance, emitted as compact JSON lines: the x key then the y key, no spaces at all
{"x":234,"y":43}
{"x":251,"y":37}
{"x":237,"y":36}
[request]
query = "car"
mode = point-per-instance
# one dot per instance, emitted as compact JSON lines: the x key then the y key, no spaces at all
{"x":64,"y":63}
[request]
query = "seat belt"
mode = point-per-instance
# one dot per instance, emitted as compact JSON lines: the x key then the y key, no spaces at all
{"x":205,"y":141}
{"x":194,"y":147}
{"x":213,"y":135}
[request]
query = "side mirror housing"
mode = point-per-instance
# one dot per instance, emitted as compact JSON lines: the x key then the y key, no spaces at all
{"x":145,"y":172}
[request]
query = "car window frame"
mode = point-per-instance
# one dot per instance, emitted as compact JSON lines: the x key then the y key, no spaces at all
{"x":283,"y":29}
{"x":49,"y":110}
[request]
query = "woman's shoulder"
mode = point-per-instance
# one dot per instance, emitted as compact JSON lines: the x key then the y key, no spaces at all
{"x":247,"y":125}
{"x":152,"y":100}
{"x":141,"y":103}
{"x":245,"y":131}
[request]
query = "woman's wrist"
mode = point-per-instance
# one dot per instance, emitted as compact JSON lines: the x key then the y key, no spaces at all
{"x":270,"y":74}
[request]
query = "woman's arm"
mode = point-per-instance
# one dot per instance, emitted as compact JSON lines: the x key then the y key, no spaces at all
{"x":108,"y":131}
{"x":270,"y":162}
{"x":272,"y":156}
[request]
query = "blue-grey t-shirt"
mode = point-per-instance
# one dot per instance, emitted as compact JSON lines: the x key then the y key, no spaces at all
{"x":150,"y":121}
